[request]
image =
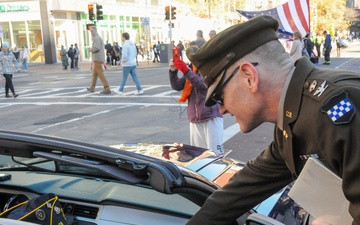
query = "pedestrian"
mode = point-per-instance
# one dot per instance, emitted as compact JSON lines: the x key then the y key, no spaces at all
{"x":318,"y":42}
{"x":200,"y":38}
{"x":107,"y":47}
{"x":71,"y":54}
{"x":340,"y":43}
{"x":206,"y":123}
{"x":120,"y":50}
{"x":297,"y":46}
{"x":108,"y":59}
{"x":182,"y":49}
{"x":98,"y":57}
{"x":314,"y":111}
{"x":7,"y":62}
{"x":129,"y":63}
{"x":24,"y":54}
{"x":116,"y":54}
{"x":16,"y":53}
{"x":327,"y":48}
{"x":212,"y":33}
{"x":308,"y":44}
{"x":137,"y":54}
{"x":76,"y":56}
{"x":156,"y":49}
{"x":64,"y":57}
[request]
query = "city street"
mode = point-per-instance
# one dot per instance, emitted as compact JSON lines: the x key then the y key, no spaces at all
{"x":55,"y":102}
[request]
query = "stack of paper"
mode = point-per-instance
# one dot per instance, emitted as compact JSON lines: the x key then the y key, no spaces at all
{"x":318,"y":190}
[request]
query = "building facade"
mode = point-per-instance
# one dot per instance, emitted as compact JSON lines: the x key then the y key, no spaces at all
{"x":44,"y":25}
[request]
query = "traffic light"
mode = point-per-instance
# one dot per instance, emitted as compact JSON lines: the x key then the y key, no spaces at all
{"x":91,"y":12}
{"x":167,"y":12}
{"x":173,"y":12}
{"x":99,"y":12}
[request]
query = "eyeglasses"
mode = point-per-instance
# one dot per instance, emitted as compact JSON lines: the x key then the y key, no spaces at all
{"x":218,"y":95}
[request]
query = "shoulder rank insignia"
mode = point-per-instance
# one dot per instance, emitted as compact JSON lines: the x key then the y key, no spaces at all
{"x":321,"y":89}
{"x":339,"y":109}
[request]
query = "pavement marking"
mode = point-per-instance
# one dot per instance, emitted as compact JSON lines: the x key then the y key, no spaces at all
{"x":344,"y":63}
{"x":77,"y":119}
{"x":81,"y":92}
{"x":231,"y":132}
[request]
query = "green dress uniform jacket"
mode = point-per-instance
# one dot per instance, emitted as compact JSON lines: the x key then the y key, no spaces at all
{"x":320,"y":120}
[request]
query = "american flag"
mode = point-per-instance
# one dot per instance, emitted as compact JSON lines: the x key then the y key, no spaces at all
{"x":293,"y":16}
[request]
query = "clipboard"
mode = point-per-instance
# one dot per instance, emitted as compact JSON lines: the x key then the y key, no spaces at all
{"x":318,"y":190}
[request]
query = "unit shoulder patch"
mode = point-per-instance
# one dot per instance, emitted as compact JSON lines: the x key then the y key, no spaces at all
{"x":339,"y":109}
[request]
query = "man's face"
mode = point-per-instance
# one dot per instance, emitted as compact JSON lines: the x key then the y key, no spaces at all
{"x":92,"y":31}
{"x":239,"y":99}
{"x":3,"y":48}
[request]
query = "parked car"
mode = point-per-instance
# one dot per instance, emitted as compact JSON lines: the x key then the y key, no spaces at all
{"x":124,"y":184}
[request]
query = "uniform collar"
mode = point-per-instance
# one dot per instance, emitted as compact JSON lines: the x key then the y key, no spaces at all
{"x":290,"y":100}
{"x":280,"y":121}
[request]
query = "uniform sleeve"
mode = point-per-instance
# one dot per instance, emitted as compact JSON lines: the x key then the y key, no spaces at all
{"x":338,"y":135}
{"x":257,"y":181}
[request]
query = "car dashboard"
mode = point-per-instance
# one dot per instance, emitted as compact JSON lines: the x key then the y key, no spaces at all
{"x":90,"y":201}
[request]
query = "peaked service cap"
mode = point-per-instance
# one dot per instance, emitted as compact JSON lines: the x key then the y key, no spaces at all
{"x":228,"y":46}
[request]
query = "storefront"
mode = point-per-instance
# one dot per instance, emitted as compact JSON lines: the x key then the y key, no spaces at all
{"x":43,"y":26}
{"x":19,"y":32}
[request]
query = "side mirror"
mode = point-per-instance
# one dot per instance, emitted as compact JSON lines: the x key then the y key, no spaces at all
{"x":258,"y":219}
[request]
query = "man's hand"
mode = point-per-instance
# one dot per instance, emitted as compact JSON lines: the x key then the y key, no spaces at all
{"x":181,"y":65}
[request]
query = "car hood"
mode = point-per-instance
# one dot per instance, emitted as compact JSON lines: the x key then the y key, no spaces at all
{"x":200,"y":160}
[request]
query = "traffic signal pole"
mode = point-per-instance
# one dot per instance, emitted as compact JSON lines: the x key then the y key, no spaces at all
{"x":170,"y":14}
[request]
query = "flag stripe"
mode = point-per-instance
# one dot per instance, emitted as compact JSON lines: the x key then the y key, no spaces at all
{"x":282,"y":19}
{"x":289,"y":17}
{"x":292,"y":15}
{"x":296,"y":17}
{"x":301,"y":16}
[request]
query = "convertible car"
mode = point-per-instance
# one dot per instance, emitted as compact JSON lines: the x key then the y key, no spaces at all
{"x":155,"y":183}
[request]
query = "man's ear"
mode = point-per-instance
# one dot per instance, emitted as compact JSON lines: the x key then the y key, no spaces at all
{"x":250,"y":75}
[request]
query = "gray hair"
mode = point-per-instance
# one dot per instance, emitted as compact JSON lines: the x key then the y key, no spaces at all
{"x":274,"y":63}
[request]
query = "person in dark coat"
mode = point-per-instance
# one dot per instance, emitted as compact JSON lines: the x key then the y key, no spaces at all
{"x":327,"y":48}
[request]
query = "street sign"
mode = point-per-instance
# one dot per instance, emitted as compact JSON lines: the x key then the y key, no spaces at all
{"x":170,"y":34}
{"x":146,"y":29}
{"x":145,"y":21}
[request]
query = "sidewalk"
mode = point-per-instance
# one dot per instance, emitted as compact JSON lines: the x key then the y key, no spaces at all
{"x":41,"y":67}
